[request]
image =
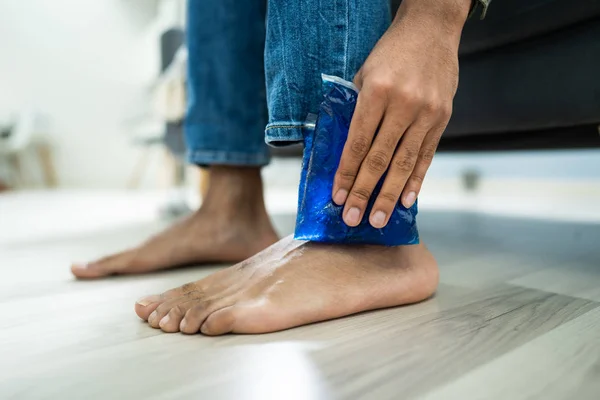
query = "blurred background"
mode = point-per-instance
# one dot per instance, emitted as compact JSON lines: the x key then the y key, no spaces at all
{"x":91,"y":103}
{"x":80,"y":114}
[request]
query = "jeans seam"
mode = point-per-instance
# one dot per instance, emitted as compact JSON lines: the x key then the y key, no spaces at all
{"x":284,"y":59}
{"x":289,"y":126}
{"x":227,"y":152}
{"x":346,"y":39}
{"x":211,"y":157}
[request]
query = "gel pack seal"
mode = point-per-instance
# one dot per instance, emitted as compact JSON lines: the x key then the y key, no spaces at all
{"x":319,"y":218}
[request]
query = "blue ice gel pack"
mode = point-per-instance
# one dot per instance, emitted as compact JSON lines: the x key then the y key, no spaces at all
{"x":319,"y":218}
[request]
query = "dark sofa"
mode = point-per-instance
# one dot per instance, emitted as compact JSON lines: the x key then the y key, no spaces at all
{"x":529,"y":78}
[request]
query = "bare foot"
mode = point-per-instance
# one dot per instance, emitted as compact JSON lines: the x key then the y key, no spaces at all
{"x":294,"y":283}
{"x":231,"y":225}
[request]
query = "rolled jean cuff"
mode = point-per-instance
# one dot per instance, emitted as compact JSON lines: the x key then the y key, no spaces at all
{"x":207,"y":148}
{"x":206,"y":158}
{"x":278,"y":134}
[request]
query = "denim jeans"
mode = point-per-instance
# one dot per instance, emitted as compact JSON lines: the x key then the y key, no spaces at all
{"x":247,"y":57}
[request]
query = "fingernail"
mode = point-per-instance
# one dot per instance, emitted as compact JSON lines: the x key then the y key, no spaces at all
{"x":378,"y":219}
{"x":80,"y":265}
{"x":146,"y":301}
{"x":409,"y":200}
{"x":182,"y":325}
{"x":164,"y":321}
{"x":340,"y":197}
{"x":352,"y":216}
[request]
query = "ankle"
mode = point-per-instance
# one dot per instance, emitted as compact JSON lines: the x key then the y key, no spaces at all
{"x":225,"y":172}
{"x":235,"y":192}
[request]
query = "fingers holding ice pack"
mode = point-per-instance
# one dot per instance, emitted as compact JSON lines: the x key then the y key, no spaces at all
{"x":319,"y":217}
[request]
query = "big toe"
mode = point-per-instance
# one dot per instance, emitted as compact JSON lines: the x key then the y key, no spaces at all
{"x":146,"y":305}
{"x":104,"y":267}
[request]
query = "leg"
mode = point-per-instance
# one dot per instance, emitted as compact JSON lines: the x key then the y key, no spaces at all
{"x":292,"y":282}
{"x":224,"y":131}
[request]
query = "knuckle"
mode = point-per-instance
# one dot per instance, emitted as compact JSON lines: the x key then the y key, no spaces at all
{"x":409,"y":95}
{"x":347,"y":174}
{"x":404,"y":164}
{"x":362,"y":194}
{"x":178,"y":310}
{"x":388,"y":197}
{"x":427,"y":154}
{"x":411,"y":149}
{"x":359,"y":146}
{"x":390,"y":141}
{"x":417,"y":178}
{"x":194,"y":311}
{"x":206,"y":304}
{"x":199,"y":308}
{"x":432,"y":106}
{"x":377,"y":161}
{"x":163,"y":309}
{"x":446,"y":113}
{"x":381,"y":86}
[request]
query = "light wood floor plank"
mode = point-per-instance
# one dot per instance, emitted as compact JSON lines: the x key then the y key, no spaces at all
{"x":561,"y":364}
{"x":413,"y":348}
{"x":576,"y":278}
{"x":516,"y":311}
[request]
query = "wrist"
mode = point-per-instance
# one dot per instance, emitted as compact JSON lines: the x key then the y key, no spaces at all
{"x":445,"y":16}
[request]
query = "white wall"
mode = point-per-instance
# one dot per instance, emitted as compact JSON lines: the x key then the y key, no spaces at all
{"x":87,"y":66}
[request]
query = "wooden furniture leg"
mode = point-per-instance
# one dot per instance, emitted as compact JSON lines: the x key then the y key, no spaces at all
{"x":138,"y":169}
{"x":44,"y":153}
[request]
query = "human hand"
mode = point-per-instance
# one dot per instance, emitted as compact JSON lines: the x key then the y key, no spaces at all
{"x":407,"y":86}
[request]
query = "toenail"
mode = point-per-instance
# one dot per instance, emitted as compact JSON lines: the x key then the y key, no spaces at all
{"x":164,"y":321}
{"x":352,"y":216}
{"x":204,"y":329}
{"x":182,"y":325}
{"x":378,"y":219}
{"x":146,"y":301}
{"x":152,"y":316}
{"x":340,"y":197}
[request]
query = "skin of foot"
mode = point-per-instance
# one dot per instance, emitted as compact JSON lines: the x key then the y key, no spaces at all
{"x":294,"y":283}
{"x":231,"y":225}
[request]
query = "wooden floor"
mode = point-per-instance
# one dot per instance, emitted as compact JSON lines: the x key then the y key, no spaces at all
{"x":516,"y":316}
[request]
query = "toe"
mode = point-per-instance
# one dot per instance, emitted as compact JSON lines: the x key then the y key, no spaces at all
{"x":146,"y":305}
{"x":104,"y":267}
{"x":220,"y":322}
{"x":170,"y":322}
{"x":88,"y":270}
{"x":149,"y":305}
{"x":249,"y":317}
{"x":184,"y":303}
{"x":195,"y":316}
{"x":162,"y":310}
